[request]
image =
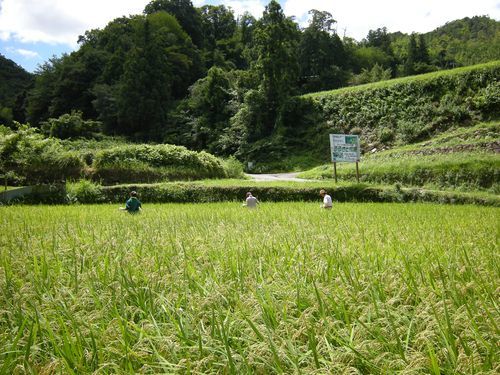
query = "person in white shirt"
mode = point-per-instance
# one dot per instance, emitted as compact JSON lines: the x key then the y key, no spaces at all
{"x":251,"y":201}
{"x":327,"y":200}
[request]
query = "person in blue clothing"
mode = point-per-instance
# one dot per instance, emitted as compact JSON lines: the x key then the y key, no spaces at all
{"x":133,"y":205}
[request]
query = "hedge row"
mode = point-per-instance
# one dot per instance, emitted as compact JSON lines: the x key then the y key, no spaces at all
{"x":86,"y":192}
{"x":27,"y":157}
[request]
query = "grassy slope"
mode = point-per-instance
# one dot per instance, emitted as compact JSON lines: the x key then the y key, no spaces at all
{"x":462,"y":157}
{"x":408,"y":109}
{"x":365,"y":288}
{"x":403,"y":80}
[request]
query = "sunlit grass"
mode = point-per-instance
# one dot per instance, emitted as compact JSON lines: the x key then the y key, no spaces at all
{"x":404,"y":80}
{"x":364,"y":288}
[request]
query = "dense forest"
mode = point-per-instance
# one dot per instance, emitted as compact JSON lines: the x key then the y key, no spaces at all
{"x":202,"y":78}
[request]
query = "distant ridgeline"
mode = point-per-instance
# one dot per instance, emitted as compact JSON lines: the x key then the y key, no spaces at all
{"x":14,"y":83}
{"x":399,"y":111}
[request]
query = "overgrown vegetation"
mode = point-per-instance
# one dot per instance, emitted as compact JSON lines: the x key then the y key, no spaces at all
{"x":371,"y":288}
{"x":149,"y":163}
{"x":395,"y":112}
{"x":201,"y":78}
{"x":27,"y":157}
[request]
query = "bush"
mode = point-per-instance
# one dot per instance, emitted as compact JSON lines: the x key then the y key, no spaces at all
{"x":84,"y":191}
{"x":149,"y":163}
{"x":233,"y":168}
{"x":386,"y":135}
{"x":70,"y":126}
{"x":35,"y":159}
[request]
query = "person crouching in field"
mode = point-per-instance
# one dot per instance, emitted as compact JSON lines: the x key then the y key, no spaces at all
{"x":327,"y":200}
{"x":251,"y":201}
{"x":133,"y":205}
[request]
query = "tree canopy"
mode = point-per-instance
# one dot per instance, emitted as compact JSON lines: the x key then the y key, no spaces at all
{"x":204,"y":78}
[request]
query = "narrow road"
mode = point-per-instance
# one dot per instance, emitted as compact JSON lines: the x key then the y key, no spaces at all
{"x":277,"y":177}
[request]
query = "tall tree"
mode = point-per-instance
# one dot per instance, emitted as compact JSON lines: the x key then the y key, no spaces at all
{"x":422,"y":50}
{"x":276,"y":39}
{"x":321,"y":55}
{"x":184,"y":11}
{"x":221,"y":45}
{"x":411,"y":55}
{"x":156,"y":71}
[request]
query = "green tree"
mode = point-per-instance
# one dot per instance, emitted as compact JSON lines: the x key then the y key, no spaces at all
{"x":222,"y":46}
{"x":186,"y":14}
{"x":210,"y":105}
{"x":275,"y":45}
{"x":321,"y":55}
{"x":411,"y":56}
{"x":41,"y":95}
{"x":146,"y":87}
{"x":422,"y":50}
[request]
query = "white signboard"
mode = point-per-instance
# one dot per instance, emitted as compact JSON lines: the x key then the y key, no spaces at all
{"x":344,"y":147}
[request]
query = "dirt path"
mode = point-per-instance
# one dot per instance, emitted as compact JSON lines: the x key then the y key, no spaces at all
{"x":277,"y":177}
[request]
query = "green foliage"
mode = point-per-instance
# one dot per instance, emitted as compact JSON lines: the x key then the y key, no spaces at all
{"x":201,"y":192}
{"x":321,"y":55}
{"x":149,"y":163}
{"x":6,"y":116}
{"x":187,"y":16}
{"x":386,"y":135}
{"x":377,"y":73}
{"x":127,"y":75}
{"x":415,"y":107}
{"x":233,"y":168}
{"x":84,"y":191}
{"x":210,"y":107}
{"x":212,"y":288}
{"x":367,"y":57}
{"x":458,"y":170}
{"x":275,"y":44}
{"x":14,"y":81}
{"x":467,"y":41}
{"x":35,"y":159}
{"x":70,"y":126}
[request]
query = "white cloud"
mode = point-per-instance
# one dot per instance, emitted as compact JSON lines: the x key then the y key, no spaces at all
{"x":254,"y":7}
{"x":357,"y":17}
{"x":60,"y":21}
{"x":27,"y":53}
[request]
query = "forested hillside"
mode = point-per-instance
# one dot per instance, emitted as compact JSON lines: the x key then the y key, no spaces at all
{"x":208,"y":80}
{"x":14,"y":82}
{"x":458,"y":43}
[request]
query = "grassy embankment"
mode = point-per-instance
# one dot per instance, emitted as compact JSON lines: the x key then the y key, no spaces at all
{"x":461,"y":158}
{"x":385,"y":114}
{"x":369,"y":288}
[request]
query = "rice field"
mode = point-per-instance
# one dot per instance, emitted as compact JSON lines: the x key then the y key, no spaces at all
{"x":214,"y":288}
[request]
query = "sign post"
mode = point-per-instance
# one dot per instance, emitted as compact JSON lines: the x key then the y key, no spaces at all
{"x":344,"y":148}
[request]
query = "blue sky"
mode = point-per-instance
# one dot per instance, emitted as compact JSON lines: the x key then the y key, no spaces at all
{"x":31,"y":31}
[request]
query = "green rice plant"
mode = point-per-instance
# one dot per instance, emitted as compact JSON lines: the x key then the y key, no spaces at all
{"x":216,"y":288}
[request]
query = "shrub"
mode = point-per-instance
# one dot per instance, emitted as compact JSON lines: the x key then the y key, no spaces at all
{"x":149,"y":163}
{"x":35,"y":159}
{"x":386,"y":135}
{"x":233,"y":168}
{"x":84,"y":191}
{"x":70,"y":126}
